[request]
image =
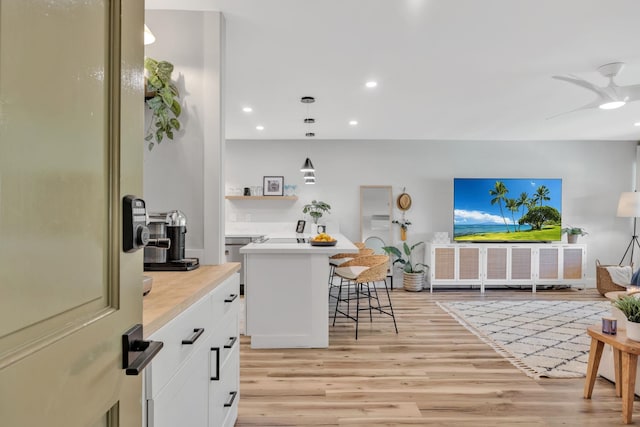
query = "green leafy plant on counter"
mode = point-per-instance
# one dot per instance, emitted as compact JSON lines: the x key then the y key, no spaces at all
{"x":162,"y":97}
{"x":316,"y":209}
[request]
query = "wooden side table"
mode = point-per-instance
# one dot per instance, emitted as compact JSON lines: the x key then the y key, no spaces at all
{"x":625,"y":362}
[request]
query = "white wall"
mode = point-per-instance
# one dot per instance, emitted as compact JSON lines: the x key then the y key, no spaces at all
{"x":187,"y":173}
{"x":594,"y":174}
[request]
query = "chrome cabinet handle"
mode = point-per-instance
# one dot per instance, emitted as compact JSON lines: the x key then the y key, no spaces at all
{"x":193,"y":338}
{"x":137,"y":353}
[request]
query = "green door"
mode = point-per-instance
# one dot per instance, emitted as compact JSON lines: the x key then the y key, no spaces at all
{"x":71,"y":109}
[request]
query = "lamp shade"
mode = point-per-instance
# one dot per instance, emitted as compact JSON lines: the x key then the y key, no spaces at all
{"x":307,"y":166}
{"x":148,"y":35}
{"x":629,"y":204}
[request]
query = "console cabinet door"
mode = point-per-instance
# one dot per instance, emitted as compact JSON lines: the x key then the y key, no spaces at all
{"x":443,"y":263}
{"x":573,"y":260}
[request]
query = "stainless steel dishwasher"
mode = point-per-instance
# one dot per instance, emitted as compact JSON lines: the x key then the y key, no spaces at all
{"x":232,"y":247}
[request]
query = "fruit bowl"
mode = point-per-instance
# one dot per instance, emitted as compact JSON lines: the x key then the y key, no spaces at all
{"x":323,"y":242}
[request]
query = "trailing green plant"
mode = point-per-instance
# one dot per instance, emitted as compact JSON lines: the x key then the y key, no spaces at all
{"x":164,"y":103}
{"x":630,"y":307}
{"x":316,"y":209}
{"x":408,"y":266}
{"x":574,"y":231}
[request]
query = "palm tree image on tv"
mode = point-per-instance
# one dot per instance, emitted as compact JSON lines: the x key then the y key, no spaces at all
{"x":507,"y":209}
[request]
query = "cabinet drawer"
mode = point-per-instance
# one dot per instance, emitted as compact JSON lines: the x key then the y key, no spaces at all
{"x":224,"y":394}
{"x":182,"y":337}
{"x":224,"y":341}
{"x":225,"y":297}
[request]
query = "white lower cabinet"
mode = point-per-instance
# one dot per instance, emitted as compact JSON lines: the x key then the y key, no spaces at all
{"x":224,"y":357}
{"x":506,"y":264}
{"x":183,"y":401}
{"x":194,"y":380}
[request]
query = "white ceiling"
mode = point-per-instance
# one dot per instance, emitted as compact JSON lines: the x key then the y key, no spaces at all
{"x":446,"y":69}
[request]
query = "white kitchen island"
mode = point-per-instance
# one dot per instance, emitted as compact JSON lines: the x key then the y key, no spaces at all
{"x":287,"y":292}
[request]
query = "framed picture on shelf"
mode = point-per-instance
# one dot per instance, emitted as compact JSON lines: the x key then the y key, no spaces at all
{"x":300,"y":226}
{"x":273,"y":185}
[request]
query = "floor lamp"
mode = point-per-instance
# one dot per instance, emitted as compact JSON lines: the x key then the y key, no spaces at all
{"x":629,"y":207}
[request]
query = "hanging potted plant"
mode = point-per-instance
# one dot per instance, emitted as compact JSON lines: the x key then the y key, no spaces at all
{"x":162,"y":97}
{"x":630,"y":307}
{"x":412,"y":272}
{"x":404,"y":226}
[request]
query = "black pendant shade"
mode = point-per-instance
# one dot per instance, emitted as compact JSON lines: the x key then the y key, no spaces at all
{"x":307,"y":166}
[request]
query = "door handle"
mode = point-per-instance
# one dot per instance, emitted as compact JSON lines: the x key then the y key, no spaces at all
{"x":137,"y":353}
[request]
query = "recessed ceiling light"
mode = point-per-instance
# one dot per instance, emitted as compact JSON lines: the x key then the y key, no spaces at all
{"x":247,"y":109}
{"x":353,"y":122}
{"x":260,"y":127}
{"x":636,"y":124}
{"x":371,"y":84}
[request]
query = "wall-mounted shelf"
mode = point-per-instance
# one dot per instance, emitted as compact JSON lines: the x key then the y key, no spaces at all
{"x":261,"y":197}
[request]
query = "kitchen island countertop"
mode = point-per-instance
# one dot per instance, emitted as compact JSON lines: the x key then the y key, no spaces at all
{"x":343,"y":245}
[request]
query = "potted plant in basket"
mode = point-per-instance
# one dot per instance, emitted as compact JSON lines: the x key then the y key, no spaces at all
{"x":573,"y":233}
{"x":412,"y":272}
{"x":630,"y":307}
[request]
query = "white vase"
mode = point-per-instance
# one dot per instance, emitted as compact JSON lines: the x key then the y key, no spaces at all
{"x":412,"y":281}
{"x":633,"y":331}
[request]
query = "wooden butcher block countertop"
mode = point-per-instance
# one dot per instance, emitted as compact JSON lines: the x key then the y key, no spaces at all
{"x":173,"y":292}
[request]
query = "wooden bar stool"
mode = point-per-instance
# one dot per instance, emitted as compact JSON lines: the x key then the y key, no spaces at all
{"x":341,"y":258}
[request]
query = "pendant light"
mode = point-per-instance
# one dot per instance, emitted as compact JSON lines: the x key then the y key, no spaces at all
{"x":148,"y":35}
{"x":309,"y":178}
{"x":307,"y":168}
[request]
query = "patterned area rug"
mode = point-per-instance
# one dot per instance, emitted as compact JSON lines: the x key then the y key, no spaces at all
{"x":542,"y":338}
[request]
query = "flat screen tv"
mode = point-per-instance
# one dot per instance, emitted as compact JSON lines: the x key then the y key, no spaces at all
{"x":507,"y":209}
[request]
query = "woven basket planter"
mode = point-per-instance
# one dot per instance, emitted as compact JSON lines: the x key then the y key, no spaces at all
{"x":412,"y":281}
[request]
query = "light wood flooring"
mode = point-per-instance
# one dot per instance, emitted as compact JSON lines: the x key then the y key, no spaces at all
{"x":433,"y":373}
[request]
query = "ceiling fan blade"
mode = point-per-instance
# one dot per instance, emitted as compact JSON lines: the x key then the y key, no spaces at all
{"x":582,"y":83}
{"x":591,"y":105}
{"x":631,"y":93}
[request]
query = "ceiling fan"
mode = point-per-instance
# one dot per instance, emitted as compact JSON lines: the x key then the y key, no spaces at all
{"x":609,"y":97}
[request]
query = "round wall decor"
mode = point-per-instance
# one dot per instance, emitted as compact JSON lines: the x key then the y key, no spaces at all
{"x":404,"y":202}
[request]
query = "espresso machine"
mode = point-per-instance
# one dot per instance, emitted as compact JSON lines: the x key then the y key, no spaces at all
{"x":173,"y":226}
